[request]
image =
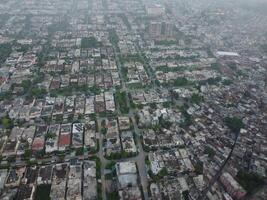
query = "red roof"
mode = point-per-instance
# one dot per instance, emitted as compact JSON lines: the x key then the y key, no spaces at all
{"x":64,"y":140}
{"x":38,"y":144}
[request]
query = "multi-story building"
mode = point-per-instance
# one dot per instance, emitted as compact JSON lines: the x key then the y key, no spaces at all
{"x":232,"y":186}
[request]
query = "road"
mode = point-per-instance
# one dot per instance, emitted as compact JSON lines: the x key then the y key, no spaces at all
{"x":104,"y":162}
{"x":140,"y":158}
{"x":202,"y":196}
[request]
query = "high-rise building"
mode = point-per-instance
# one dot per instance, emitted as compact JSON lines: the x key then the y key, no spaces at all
{"x":232,"y":186}
{"x":161,"y":29}
{"x":155,"y":10}
{"x":155,"y":29}
{"x":167,"y":29}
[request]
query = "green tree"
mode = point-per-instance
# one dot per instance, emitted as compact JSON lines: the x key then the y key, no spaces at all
{"x":27,"y":153}
{"x":208,"y":150}
{"x":50,"y":135}
{"x":42,"y":192}
{"x":234,"y":123}
{"x":196,"y":98}
{"x":181,"y":82}
{"x":157,"y":177}
{"x":121,"y":101}
{"x":37,"y":92}
{"x":26,"y":84}
{"x":215,"y":66}
{"x":104,"y":130}
{"x":5,"y":51}
{"x":153,"y":106}
{"x":249,"y":181}
{"x":113,"y":38}
{"x":79,"y":151}
{"x":185,"y":195}
{"x":199,"y":167}
{"x":263,"y":48}
{"x":90,"y":42}
{"x":7,"y":122}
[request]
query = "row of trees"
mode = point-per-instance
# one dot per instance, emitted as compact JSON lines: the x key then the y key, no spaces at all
{"x":67,"y":91}
{"x":234,"y":123}
{"x":5,"y":51}
{"x":6,"y":122}
{"x":121,"y":101}
{"x":90,"y":42}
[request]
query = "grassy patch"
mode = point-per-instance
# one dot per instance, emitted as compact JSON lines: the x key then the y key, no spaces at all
{"x":249,"y":181}
{"x":42,"y":192}
{"x":121,"y":101}
{"x":90,"y":42}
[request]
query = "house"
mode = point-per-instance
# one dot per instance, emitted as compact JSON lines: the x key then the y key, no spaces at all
{"x":59,"y":181}
{"x":45,"y":175}
{"x":127,"y":140}
{"x":39,"y":139}
{"x":14,"y":177}
{"x":109,"y":102}
{"x":3,"y":176}
{"x":232,"y":186}
{"x":64,"y":139}
{"x":74,"y":185}
{"x":127,"y":181}
{"x":51,"y":143}
{"x":89,"y":105}
{"x":77,"y":134}
{"x":89,"y":180}
{"x":90,"y":134}
{"x":124,"y":123}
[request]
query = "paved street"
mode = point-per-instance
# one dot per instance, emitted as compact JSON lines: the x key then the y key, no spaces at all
{"x":139,"y":159}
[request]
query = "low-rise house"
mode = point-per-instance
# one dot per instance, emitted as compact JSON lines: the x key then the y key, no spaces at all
{"x":89,"y":180}
{"x":173,"y":188}
{"x":3,"y":176}
{"x":77,"y":134}
{"x":36,"y":109}
{"x":28,"y":134}
{"x":124,"y":123}
{"x":130,"y":193}
{"x":51,"y":143}
{"x":58,"y":106}
{"x":39,"y":139}
{"x":74,"y":186}
{"x":109,"y":100}
{"x":89,"y":105}
{"x":26,"y":192}
{"x":10,"y":148}
{"x":113,"y":144}
{"x":90,"y":135}
{"x":199,"y":182}
{"x":64,"y":139}
{"x":99,"y":103}
{"x":45,"y":175}
{"x":30,"y":175}
{"x":14,"y":177}
{"x":232,"y":187}
{"x":127,"y":140}
{"x":69,"y":104}
{"x":59,"y":181}
{"x":79,"y":105}
{"x":127,"y":180}
{"x":16,"y":134}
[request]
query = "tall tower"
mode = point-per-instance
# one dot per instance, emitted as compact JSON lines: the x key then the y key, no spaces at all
{"x":155,"y":29}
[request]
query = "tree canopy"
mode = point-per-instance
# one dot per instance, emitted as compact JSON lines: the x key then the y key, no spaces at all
{"x":249,"y":181}
{"x":90,"y":42}
{"x":234,"y":123}
{"x":5,"y":51}
{"x":6,"y":122}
